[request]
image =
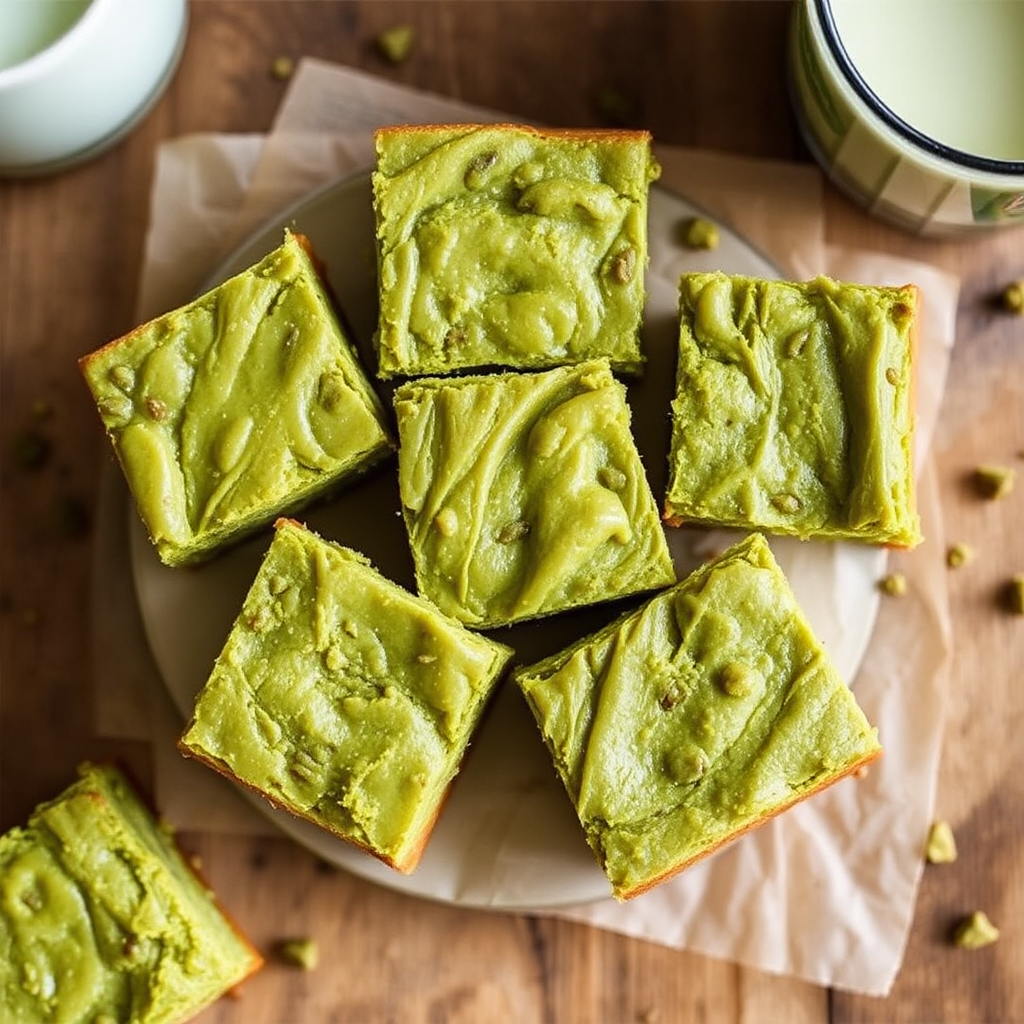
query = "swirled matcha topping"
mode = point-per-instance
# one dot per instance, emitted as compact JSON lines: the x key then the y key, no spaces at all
{"x":524,"y":494}
{"x":691,"y":719}
{"x":793,"y":410}
{"x":504,"y":245}
{"x":101,"y":919}
{"x":343,"y":698}
{"x":243,"y":404}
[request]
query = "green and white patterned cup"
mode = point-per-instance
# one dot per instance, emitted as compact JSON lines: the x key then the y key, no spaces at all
{"x":915,"y":108}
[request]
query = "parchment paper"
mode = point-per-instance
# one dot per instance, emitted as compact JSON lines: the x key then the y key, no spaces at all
{"x":825,"y":892}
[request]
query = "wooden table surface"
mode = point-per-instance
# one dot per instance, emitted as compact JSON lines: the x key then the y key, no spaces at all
{"x":706,"y":74}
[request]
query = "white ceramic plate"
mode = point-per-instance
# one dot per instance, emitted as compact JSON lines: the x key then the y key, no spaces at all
{"x":508,"y":836}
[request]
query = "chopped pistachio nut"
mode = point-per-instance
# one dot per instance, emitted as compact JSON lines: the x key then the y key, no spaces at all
{"x":623,"y":266}
{"x":796,"y":343}
{"x":941,"y":845}
{"x":478,"y":168}
{"x":737,"y":679}
{"x":994,"y":481}
{"x":447,"y":522}
{"x":517,"y":529}
{"x":1013,"y":298}
{"x":302,"y":953}
{"x":788,"y":503}
{"x":894,"y":584}
{"x":975,"y":931}
{"x":958,"y":555}
{"x":1015,"y":595}
{"x":396,"y":42}
{"x":612,"y":478}
{"x":700,"y":233}
{"x":282,"y":68}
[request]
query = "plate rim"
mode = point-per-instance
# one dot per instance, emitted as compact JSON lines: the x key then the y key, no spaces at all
{"x":295,"y":828}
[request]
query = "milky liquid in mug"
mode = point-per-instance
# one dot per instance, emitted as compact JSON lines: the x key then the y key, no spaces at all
{"x":952,"y":69}
{"x":27,"y":27}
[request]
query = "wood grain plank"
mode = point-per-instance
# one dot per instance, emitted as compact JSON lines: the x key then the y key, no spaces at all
{"x":696,"y":73}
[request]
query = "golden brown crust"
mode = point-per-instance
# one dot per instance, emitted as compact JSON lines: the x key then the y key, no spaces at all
{"x":404,"y":866}
{"x":579,"y":134}
{"x":825,"y":783}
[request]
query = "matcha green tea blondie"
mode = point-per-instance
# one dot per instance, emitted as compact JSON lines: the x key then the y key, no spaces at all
{"x":342,"y":698}
{"x":524,"y":493}
{"x":102,"y":918}
{"x":694,"y":718}
{"x":506,"y":245}
{"x":243,"y":405}
{"x":794,"y":409}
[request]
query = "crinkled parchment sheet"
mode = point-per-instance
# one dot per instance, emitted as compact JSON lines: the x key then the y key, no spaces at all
{"x":825,"y":892}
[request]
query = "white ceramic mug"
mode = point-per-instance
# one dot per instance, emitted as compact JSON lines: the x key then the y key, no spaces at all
{"x":77,"y":75}
{"x":944,"y":152}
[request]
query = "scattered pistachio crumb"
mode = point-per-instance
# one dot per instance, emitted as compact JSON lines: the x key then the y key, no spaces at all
{"x":700,"y":233}
{"x":1013,"y":298}
{"x":1015,"y":595}
{"x":941,"y":845}
{"x":282,"y":68}
{"x":959,"y":554}
{"x":892,"y":375}
{"x":302,"y":953}
{"x":894,"y":584}
{"x":994,"y":481}
{"x":975,"y":931}
{"x":396,"y":42}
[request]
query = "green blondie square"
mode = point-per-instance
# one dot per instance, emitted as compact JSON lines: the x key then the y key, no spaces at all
{"x":504,"y":245}
{"x":695,"y":718}
{"x":102,"y":918}
{"x":245,"y":404}
{"x":342,"y":698}
{"x":524,"y":494}
{"x":794,"y":408}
